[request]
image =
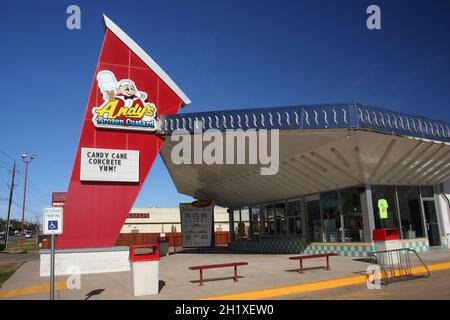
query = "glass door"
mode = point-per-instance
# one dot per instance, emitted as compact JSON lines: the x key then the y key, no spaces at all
{"x":313,"y":218}
{"x":431,"y":223}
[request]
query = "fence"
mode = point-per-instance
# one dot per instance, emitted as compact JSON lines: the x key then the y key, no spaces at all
{"x":175,"y":239}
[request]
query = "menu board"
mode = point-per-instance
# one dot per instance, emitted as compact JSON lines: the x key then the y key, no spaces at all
{"x":196,"y":225}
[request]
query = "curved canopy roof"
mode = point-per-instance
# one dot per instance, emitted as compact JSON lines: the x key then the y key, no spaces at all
{"x":322,"y":147}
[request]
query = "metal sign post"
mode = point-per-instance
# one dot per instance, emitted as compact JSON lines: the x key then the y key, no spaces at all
{"x":53,"y":225}
{"x":52,"y":269}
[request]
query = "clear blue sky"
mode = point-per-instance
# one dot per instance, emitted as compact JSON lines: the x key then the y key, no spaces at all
{"x":224,"y":55}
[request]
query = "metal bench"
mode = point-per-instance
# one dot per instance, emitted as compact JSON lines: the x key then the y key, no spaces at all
{"x":312,"y":256}
{"x":222,"y":265}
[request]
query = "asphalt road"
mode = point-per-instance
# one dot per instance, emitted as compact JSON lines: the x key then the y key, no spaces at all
{"x":436,"y":287}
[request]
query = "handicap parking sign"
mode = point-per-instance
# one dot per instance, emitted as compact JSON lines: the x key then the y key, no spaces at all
{"x":53,"y":225}
{"x":53,"y":220}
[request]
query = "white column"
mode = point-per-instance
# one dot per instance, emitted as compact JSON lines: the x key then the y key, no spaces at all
{"x":367,"y":213}
{"x":442,"y":196}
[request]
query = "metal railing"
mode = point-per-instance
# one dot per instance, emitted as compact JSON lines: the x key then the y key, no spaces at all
{"x":326,"y":116}
{"x":396,"y":265}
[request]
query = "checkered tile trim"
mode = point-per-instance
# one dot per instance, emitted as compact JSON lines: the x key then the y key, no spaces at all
{"x":420,"y":245}
{"x":296,"y":246}
{"x":346,"y":250}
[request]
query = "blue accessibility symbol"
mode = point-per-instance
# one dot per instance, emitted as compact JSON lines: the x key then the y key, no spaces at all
{"x":53,"y":225}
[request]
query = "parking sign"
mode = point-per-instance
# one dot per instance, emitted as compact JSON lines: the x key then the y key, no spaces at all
{"x":53,"y":220}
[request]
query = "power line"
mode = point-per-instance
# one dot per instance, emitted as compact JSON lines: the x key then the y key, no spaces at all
{"x":37,"y":197}
{"x":36,"y":189}
{"x":32,"y":186}
{"x":7,"y":155}
{"x":19,"y":207}
{"x":4,"y":162}
{"x":5,"y":167}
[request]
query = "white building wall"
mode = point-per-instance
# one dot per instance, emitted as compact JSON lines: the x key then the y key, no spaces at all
{"x":163,"y":219}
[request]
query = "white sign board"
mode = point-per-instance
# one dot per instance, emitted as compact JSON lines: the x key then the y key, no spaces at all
{"x":196,"y":225}
{"x":53,"y":220}
{"x":109,"y":165}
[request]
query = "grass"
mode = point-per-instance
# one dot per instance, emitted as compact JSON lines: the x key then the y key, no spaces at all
{"x":7,"y":269}
{"x":28,"y":245}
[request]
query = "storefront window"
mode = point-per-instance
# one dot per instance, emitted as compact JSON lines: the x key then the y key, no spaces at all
{"x":271,"y":226}
{"x":255,"y":224}
{"x":244,"y":227}
{"x":236,"y":216}
{"x":293,"y":215}
{"x":351,"y":210}
{"x":384,"y":207}
{"x":269,"y":222}
{"x":410,"y":213}
{"x":245,"y":214}
{"x":236,"y":231}
{"x":426,"y":191}
{"x":269,"y":211}
{"x":331,"y":217}
{"x":313,"y":218}
{"x":236,"y":222}
{"x":279,"y":209}
{"x":280,"y":220}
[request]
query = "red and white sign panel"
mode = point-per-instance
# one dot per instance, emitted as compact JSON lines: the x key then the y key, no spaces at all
{"x":59,"y":199}
{"x":128,"y":91}
{"x":109,"y":165}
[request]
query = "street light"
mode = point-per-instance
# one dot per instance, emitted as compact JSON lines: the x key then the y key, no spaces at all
{"x":27,"y":161}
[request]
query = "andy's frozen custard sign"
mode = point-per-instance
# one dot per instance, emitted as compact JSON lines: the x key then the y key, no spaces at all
{"x":124,"y":106}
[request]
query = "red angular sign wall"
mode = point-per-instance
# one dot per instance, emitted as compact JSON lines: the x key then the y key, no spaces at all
{"x":95,"y":211}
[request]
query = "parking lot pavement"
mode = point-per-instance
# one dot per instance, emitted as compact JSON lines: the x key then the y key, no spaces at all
{"x":436,"y":287}
{"x":265,"y":271}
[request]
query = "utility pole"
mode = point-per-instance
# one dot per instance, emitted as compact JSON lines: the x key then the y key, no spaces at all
{"x":11,"y":191}
{"x":24,"y":158}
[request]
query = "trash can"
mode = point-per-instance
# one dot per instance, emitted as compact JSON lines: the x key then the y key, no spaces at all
{"x":387,"y":239}
{"x":144,"y":261}
{"x":163,"y":244}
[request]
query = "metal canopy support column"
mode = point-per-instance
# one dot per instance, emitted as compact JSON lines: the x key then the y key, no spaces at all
{"x":367,"y":213}
{"x":443,"y":206}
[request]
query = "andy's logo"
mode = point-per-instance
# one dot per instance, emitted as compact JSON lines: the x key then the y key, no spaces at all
{"x":124,"y":106}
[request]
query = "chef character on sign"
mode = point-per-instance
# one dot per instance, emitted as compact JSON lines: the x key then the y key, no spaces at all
{"x":126,"y":91}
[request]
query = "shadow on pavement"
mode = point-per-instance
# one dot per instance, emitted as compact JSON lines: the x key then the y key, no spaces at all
{"x":306,"y":269}
{"x":95,"y":292}
{"x":161,"y":285}
{"x":215,"y":279}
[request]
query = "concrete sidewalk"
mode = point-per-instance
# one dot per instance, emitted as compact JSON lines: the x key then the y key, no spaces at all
{"x":177,"y":282}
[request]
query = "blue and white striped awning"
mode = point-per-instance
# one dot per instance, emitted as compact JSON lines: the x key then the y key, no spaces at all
{"x":330,"y":116}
